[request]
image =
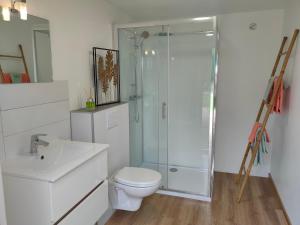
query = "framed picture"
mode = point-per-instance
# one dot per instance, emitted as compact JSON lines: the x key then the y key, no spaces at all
{"x":106,"y":76}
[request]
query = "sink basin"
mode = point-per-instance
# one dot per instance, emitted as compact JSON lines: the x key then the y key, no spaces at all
{"x":65,"y":181}
{"x":52,"y":162}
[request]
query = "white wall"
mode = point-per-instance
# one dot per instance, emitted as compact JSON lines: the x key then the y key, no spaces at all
{"x":2,"y":204}
{"x":2,"y":207}
{"x":75,"y":27}
{"x":246,"y":61}
{"x":286,"y":154}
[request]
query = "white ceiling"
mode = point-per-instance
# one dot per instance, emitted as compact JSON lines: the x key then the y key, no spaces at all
{"x":151,"y":10}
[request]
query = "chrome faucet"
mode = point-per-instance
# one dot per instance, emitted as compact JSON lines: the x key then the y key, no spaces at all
{"x":36,"y":141}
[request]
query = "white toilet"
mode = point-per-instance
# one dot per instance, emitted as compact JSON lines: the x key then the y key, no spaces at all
{"x":130,"y":185}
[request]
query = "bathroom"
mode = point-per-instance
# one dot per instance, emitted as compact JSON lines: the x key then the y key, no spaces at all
{"x":166,"y":145}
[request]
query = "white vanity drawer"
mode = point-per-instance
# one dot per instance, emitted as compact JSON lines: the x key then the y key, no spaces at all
{"x":90,"y":210}
{"x":70,"y":189}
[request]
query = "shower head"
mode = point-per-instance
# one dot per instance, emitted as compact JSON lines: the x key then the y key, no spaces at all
{"x":145,"y":34}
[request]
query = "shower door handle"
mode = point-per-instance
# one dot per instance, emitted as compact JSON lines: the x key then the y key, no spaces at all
{"x":164,"y":110}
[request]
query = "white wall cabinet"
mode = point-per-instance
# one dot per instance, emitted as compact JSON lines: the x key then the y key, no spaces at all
{"x":106,"y":124}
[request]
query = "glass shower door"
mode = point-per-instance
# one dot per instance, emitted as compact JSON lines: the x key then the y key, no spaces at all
{"x":154,"y":90}
{"x":144,"y":69}
{"x":190,"y":97}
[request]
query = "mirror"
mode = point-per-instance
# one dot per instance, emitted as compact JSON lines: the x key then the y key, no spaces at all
{"x":32,"y":37}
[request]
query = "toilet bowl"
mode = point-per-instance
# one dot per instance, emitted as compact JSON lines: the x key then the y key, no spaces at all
{"x":130,"y":185}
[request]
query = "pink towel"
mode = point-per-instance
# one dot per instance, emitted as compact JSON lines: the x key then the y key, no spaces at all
{"x":253,"y":133}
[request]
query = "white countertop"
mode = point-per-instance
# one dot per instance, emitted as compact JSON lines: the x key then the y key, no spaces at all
{"x":60,"y":158}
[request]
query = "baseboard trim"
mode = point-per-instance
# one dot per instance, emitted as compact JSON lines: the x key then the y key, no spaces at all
{"x":283,"y":208}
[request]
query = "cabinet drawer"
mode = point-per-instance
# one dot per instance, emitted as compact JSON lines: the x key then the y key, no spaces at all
{"x":70,"y":189}
{"x":90,"y":210}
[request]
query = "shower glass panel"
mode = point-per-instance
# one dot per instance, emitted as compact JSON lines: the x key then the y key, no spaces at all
{"x":189,"y":98}
{"x":143,"y":64}
{"x":168,"y":79}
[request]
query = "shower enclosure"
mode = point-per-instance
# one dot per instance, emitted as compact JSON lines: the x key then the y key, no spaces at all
{"x":168,"y":77}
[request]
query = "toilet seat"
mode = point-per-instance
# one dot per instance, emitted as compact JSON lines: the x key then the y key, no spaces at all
{"x":137,"y":177}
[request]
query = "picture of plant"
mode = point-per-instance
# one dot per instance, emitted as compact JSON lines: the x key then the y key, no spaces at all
{"x":106,"y":75}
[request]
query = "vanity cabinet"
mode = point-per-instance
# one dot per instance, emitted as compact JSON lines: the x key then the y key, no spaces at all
{"x":79,"y":197}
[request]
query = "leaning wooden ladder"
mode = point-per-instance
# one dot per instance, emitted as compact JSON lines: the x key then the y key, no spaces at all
{"x":22,"y":57}
{"x":269,"y":105}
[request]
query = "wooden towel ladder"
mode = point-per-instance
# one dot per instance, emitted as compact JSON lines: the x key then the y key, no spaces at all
{"x":269,"y":105}
{"x":22,"y":57}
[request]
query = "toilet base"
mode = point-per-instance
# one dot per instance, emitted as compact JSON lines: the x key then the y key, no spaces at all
{"x":120,"y":200}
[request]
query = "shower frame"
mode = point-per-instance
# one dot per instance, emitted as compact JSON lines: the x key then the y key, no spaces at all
{"x":212,"y":121}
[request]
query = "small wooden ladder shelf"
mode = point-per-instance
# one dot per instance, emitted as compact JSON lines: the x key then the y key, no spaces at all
{"x":244,"y":172}
{"x":22,"y":57}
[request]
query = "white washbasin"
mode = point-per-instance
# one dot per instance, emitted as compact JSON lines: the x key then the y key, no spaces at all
{"x":52,"y":162}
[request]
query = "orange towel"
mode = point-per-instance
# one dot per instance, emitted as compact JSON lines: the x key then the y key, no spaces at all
{"x":25,"y":78}
{"x":278,"y":105}
{"x":253,"y":133}
{"x":7,"y":78}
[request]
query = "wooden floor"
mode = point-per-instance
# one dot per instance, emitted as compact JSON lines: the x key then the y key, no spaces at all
{"x":259,"y":206}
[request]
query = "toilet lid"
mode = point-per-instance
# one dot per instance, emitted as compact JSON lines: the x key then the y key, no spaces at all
{"x":137,"y":177}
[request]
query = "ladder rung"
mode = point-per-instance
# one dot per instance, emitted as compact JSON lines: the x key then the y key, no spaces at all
{"x":252,"y":152}
{"x":244,"y":170}
{"x":284,"y":53}
{"x":266,"y":104}
{"x":251,"y":147}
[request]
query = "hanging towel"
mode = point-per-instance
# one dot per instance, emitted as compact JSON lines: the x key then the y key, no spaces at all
{"x":16,"y":78}
{"x":6,"y":78}
{"x":254,"y":132}
{"x":278,"y":105}
{"x":25,"y":78}
{"x":262,"y":150}
{"x":20,"y":78}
